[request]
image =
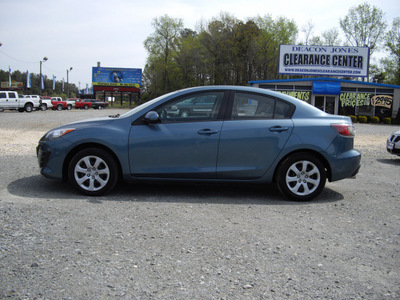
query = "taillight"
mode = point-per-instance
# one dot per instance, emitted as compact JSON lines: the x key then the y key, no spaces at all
{"x":344,"y":129}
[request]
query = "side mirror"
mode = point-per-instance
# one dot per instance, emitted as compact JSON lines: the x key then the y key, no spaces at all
{"x":152,"y":117}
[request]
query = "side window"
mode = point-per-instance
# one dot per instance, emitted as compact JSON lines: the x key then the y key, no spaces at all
{"x":3,"y":95}
{"x":196,"y":107}
{"x":12,"y":95}
{"x":283,"y":110}
{"x":251,"y":106}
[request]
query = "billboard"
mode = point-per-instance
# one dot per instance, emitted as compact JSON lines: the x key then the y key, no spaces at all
{"x":323,"y":60}
{"x":118,"y":77}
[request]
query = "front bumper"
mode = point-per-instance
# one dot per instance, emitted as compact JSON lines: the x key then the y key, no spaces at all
{"x":393,"y":144}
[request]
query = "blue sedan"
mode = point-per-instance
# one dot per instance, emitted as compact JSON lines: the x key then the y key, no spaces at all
{"x":246,"y":135}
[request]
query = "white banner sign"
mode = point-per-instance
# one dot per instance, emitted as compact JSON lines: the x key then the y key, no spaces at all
{"x":323,"y":60}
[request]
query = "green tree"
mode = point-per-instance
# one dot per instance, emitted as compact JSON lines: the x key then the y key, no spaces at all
{"x":393,"y":45}
{"x":161,"y":45}
{"x":272,"y":34}
{"x":331,"y":37}
{"x":364,"y":26}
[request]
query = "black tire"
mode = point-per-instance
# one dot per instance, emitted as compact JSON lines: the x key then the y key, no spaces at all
{"x":69,"y":106}
{"x":59,"y":107}
{"x":86,"y":107}
{"x":28,"y":107}
{"x":93,"y":172}
{"x":43,"y":107}
{"x":301,"y":177}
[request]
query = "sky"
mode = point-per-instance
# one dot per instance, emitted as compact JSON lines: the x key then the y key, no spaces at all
{"x":81,"y":33}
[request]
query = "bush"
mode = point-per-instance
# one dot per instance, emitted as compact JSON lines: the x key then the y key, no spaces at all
{"x":362,"y":119}
{"x":374,"y":120}
{"x":353,"y":118}
{"x":387,"y":120}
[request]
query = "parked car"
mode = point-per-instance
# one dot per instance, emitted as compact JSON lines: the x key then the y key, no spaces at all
{"x":393,"y":143}
{"x":71,"y":103}
{"x":82,"y":104}
{"x":46,"y":103}
{"x":97,"y":104}
{"x":58,"y":103}
{"x":284,"y":140}
{"x":194,"y":106}
{"x":12,"y":101}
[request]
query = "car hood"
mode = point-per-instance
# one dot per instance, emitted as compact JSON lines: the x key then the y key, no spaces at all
{"x":89,"y":122}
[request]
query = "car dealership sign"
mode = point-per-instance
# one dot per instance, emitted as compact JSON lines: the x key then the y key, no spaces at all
{"x":323,"y":60}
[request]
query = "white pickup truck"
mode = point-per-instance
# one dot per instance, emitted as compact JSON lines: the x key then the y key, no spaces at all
{"x":11,"y":100}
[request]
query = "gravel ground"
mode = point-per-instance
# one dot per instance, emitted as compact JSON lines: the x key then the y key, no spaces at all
{"x":194,"y":241}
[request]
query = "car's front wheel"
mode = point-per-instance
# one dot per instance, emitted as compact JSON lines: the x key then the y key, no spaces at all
{"x":93,"y":172}
{"x":301,"y":177}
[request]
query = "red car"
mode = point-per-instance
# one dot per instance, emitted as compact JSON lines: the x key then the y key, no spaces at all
{"x":58,"y":104}
{"x":82,"y":104}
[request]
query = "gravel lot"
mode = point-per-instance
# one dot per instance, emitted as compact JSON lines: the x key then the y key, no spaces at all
{"x":194,"y":241}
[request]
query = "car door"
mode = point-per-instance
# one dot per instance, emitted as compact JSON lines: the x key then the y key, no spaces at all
{"x":254,"y":135}
{"x":3,"y":100}
{"x":12,"y":100}
{"x":178,"y":146}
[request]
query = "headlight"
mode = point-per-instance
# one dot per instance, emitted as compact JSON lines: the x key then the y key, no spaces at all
{"x":54,"y":134}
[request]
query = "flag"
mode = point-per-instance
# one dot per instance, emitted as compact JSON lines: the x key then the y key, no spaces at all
{"x":9,"y":76}
{"x":54,"y":82}
{"x":41,"y":82}
{"x":63,"y":84}
{"x":28,"y":80}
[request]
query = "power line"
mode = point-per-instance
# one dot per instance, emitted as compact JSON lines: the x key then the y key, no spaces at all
{"x":24,"y":62}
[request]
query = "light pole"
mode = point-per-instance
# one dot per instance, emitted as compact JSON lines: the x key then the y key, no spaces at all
{"x":41,"y":79}
{"x":70,"y":69}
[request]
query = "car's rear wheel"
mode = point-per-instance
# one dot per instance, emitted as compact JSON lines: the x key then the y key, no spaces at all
{"x":69,"y":106}
{"x":93,"y":172}
{"x":59,"y":107}
{"x":301,"y":177}
{"x":43,"y":107}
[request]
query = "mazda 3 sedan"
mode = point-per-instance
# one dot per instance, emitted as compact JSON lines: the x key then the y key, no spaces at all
{"x":248,"y":135}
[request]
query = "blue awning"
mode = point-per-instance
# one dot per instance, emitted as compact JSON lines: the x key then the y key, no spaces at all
{"x":326,"y":88}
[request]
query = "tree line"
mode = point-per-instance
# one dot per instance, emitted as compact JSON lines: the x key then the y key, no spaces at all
{"x":226,"y":50}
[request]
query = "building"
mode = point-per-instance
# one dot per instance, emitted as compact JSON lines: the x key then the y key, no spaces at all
{"x":339,"y":96}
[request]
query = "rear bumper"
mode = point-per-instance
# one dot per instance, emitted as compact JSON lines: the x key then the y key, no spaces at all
{"x":346,"y":165}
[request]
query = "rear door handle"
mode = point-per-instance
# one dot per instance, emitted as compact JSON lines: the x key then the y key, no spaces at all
{"x":207,"y":131}
{"x":278,"y":129}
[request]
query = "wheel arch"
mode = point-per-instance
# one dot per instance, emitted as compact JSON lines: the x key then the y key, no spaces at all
{"x":80,"y":147}
{"x":306,"y":151}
